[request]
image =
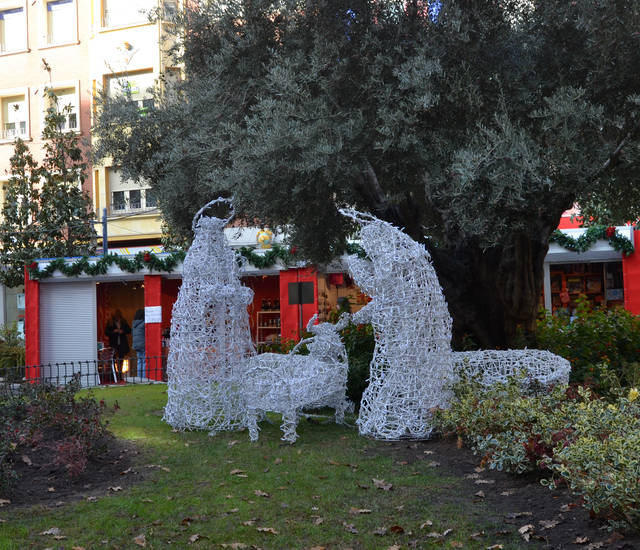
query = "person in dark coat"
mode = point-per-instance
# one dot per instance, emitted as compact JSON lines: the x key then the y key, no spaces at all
{"x":137,"y":340}
{"x":117,"y":331}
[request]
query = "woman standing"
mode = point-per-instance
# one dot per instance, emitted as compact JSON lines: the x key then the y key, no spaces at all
{"x":117,"y":331}
{"x":137,"y":337}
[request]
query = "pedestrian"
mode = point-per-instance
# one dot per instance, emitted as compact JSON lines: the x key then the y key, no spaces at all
{"x":137,"y":337}
{"x":118,"y":330}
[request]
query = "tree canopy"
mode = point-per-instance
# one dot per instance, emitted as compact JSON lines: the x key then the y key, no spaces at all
{"x":45,"y":213}
{"x":472,"y":124}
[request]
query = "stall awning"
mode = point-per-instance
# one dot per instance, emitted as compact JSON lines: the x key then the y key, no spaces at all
{"x":601,"y":251}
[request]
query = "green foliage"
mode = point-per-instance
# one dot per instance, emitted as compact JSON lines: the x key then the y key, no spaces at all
{"x":142,"y":260}
{"x":590,"y":236}
{"x":46,"y":212}
{"x":602,"y":345}
{"x":586,"y":442}
{"x":478,"y":129}
{"x":12,"y":353}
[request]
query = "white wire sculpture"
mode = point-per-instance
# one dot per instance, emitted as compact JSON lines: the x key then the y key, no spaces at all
{"x":488,"y":367}
{"x":210,"y":337}
{"x":413,"y":366}
{"x":287,"y":384}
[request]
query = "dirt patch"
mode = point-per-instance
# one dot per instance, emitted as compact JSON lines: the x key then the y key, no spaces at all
{"x":512,"y":502}
{"x":42,"y":483}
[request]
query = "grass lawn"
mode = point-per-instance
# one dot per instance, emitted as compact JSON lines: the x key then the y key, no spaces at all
{"x":208,"y":492}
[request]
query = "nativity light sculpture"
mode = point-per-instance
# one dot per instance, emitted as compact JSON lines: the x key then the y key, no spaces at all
{"x":413,"y":366}
{"x":287,"y":384}
{"x":210,"y":336}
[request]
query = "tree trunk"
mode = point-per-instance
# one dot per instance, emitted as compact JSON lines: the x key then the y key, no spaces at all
{"x":494,"y":294}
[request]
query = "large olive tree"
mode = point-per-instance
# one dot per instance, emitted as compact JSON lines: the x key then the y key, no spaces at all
{"x":473,"y":124}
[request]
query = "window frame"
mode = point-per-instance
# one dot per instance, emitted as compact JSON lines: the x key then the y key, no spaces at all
{"x":13,"y":5}
{"x":107,"y":78}
{"x":104,"y":23}
{"x":13,"y":92}
{"x":60,"y":85}
{"x":44,"y":33}
{"x":126,"y":197}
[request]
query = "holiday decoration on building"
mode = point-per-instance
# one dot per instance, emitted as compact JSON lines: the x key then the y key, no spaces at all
{"x":289,"y":383}
{"x":265,"y":238}
{"x":413,"y":366}
{"x":210,"y":337}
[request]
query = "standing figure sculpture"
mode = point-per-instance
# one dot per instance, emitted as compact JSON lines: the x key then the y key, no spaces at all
{"x":412,"y":365}
{"x":210,"y":336}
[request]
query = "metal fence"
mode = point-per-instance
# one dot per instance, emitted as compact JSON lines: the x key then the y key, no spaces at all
{"x":92,"y":373}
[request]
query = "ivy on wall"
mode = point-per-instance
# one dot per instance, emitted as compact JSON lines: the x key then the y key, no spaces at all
{"x":585,"y":241}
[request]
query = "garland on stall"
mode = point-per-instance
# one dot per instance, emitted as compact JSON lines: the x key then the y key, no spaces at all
{"x":141,"y":260}
{"x":585,"y":241}
{"x":154,"y":262}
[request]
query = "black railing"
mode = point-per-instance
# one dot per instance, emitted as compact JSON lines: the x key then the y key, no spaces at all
{"x":89,"y":374}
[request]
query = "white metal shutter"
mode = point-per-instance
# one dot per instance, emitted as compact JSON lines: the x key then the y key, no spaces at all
{"x":68,"y":331}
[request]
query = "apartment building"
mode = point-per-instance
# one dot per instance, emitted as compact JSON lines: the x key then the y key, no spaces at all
{"x":90,"y":45}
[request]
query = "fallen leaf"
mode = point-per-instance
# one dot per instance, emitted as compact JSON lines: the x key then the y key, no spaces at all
{"x":235,"y":545}
{"x":164,"y":469}
{"x":350,"y":527}
{"x":236,"y":472}
{"x":479,"y":494}
{"x":318,"y":548}
{"x":515,"y":515}
{"x":232,"y":443}
{"x":397,"y":529}
{"x":270,"y":530}
{"x":26,"y":460}
{"x":77,"y":548}
{"x":260,"y":493}
{"x":277,"y":461}
{"x":548,"y":524}
{"x":317,"y":520}
{"x":485,"y":481}
{"x":508,"y":493}
{"x":526,"y":531}
{"x":581,"y":540}
{"x":472,"y":476}
{"x":394,"y":547}
{"x":92,"y":499}
{"x":403,"y":463}
{"x":400,"y":508}
{"x":249,"y":522}
{"x":59,"y":537}
{"x":334,"y":463}
{"x":146,"y":500}
{"x":479,"y":469}
{"x":456,"y":544}
{"x":51,"y":531}
{"x":382,"y":484}
{"x":380,"y":531}
{"x":125,"y":472}
{"x":140,"y":540}
{"x":4,"y":502}
{"x":594,"y":545}
{"x":427,"y":523}
{"x":115,"y":489}
{"x":196,"y":537}
{"x":428,"y":452}
{"x":495,"y":547}
{"x":353,"y":510}
{"x":51,"y":489}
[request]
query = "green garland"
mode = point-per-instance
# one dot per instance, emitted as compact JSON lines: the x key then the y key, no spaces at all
{"x":596,"y":232}
{"x":141,"y":260}
{"x":154,"y":262}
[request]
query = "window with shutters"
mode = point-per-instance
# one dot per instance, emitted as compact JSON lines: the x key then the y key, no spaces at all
{"x":122,"y":13}
{"x":13,"y":30}
{"x":68,"y":97}
{"x":14,"y":115}
{"x":128,"y":196}
{"x":61,"y":22}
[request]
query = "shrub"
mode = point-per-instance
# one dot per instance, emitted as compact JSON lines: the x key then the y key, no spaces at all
{"x":11,"y":353}
{"x":602,"y":345}
{"x":590,"y":444}
{"x":54,"y":419}
{"x":359,"y":343}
